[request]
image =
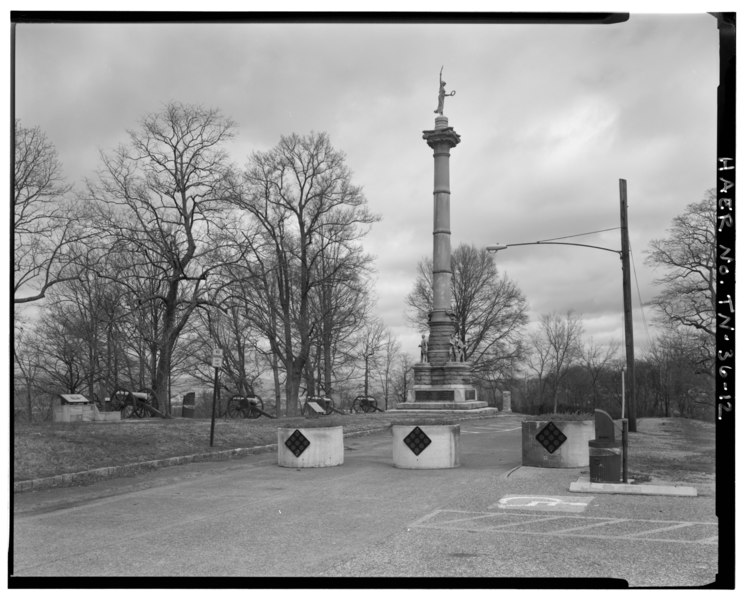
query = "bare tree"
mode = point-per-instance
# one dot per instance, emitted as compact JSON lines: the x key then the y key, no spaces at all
{"x":42,"y":226}
{"x":677,"y":386}
{"x":490,"y":311}
{"x":301,"y":196}
{"x":597,"y":359}
{"x":28,"y":359}
{"x":231,"y":330}
{"x":371,"y":340}
{"x":555,"y":347}
{"x":65,"y":362}
{"x":386,"y":361}
{"x":688,"y":296}
{"x":83,"y":305}
{"x":403,"y":375}
{"x":160,"y":204}
{"x":538,"y":359}
{"x":340,"y":307}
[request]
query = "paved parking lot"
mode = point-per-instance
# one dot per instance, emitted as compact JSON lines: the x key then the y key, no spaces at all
{"x":489,"y":518}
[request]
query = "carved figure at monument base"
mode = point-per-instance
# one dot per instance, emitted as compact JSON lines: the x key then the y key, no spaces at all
{"x":424,"y":347}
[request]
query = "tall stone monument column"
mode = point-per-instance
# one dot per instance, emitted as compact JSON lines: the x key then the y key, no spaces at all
{"x":442,"y":381}
{"x":441,"y":140}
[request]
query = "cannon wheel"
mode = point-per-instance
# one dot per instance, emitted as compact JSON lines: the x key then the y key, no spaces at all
{"x":234,"y":410}
{"x":122,"y":400}
{"x":141,"y":411}
{"x":356,"y":406}
{"x":253,"y":411}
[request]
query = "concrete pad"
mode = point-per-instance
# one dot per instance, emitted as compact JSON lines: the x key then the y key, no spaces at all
{"x":584,"y":485}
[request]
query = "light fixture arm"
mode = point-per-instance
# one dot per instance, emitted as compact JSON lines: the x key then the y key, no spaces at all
{"x":496,"y":247}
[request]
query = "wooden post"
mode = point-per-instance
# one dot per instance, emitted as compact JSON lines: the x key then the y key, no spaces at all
{"x":628,"y":308}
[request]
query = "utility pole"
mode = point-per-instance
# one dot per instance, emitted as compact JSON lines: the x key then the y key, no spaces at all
{"x":628,"y":310}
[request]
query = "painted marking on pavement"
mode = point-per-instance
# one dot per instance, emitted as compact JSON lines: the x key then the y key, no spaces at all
{"x":575,"y":504}
{"x":606,"y":528}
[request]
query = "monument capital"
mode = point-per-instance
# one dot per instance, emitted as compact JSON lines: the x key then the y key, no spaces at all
{"x":445,"y":135}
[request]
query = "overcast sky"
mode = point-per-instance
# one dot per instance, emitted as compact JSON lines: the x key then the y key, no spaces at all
{"x":550,"y":118}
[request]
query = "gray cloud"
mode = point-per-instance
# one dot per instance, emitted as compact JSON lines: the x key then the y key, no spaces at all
{"x":550,"y":118}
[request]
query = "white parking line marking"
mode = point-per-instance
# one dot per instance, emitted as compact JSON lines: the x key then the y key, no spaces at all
{"x":493,"y":523}
{"x":602,"y":524}
{"x":669,"y":528}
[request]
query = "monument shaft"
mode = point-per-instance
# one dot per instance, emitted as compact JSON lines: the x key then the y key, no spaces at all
{"x":441,"y":252}
{"x":441,"y":140}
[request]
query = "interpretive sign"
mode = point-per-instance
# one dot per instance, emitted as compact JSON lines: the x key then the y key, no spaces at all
{"x":74,"y":399}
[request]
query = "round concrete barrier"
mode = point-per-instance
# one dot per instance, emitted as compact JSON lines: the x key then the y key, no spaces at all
{"x":426,"y":446}
{"x":310,"y":446}
{"x":556,"y":443}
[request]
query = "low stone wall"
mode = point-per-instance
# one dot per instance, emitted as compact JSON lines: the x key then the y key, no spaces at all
{"x":551,"y":451}
{"x":411,"y":449}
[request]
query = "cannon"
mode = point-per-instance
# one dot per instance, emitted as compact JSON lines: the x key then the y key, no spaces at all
{"x":246,"y":407}
{"x":364,"y":404}
{"x":135,"y":404}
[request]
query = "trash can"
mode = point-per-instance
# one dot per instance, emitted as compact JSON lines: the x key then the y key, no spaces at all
{"x":188,"y":405}
{"x":605,"y":461}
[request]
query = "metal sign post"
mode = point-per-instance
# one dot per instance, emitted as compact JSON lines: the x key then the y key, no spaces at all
{"x":217,"y":357}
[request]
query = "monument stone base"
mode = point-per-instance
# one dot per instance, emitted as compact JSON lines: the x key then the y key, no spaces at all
{"x":463,"y":409}
{"x":444,"y":388}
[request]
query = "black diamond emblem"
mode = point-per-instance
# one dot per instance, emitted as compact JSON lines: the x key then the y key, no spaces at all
{"x":417,"y":441}
{"x":297,"y":443}
{"x":551,"y":437}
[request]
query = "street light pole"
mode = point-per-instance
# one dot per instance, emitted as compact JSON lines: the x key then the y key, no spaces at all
{"x":624,"y":252}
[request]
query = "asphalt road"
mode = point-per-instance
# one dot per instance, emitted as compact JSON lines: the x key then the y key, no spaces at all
{"x":251,"y":518}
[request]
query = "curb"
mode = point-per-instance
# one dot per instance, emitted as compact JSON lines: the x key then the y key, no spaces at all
{"x":584,"y":485}
{"x":94,"y":475}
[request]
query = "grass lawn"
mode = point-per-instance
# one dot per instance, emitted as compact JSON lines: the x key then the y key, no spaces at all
{"x":46,"y":449}
{"x":673,"y":449}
